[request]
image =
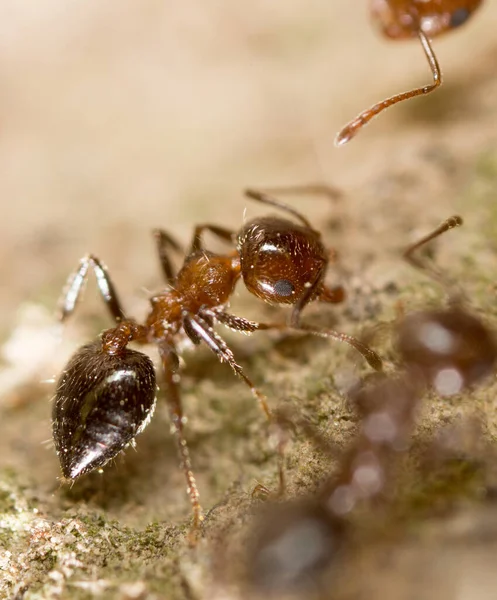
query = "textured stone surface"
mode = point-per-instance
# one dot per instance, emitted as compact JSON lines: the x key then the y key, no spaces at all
{"x":130,"y":116}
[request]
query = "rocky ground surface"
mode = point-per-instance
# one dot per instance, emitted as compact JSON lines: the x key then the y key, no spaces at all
{"x":119,"y":118}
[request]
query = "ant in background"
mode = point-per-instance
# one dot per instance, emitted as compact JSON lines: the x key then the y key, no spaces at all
{"x":401,"y":19}
{"x":107,"y":392}
{"x":449,"y":350}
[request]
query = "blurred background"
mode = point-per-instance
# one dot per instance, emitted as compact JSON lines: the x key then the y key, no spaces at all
{"x":118,"y":117}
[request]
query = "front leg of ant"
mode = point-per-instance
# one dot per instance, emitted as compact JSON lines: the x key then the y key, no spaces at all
{"x":197,"y":245}
{"x":198,"y":328}
{"x":372,"y":358}
{"x":170,"y":364}
{"x":352,"y":128}
{"x":245,"y":326}
{"x":240,"y":324}
{"x":75,"y":284}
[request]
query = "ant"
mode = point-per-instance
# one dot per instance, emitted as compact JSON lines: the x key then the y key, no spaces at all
{"x":448,"y":350}
{"x":107,"y":392}
{"x":401,"y":19}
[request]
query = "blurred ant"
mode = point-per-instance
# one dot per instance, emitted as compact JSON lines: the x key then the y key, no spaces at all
{"x":107,"y":392}
{"x":401,"y":19}
{"x":446,"y":349}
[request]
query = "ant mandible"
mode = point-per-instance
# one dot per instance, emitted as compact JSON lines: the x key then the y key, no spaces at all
{"x":107,"y":392}
{"x":400,"y":19}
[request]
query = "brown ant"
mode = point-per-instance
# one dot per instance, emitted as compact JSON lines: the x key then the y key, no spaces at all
{"x":447,"y":349}
{"x":401,"y":19}
{"x":106,"y":393}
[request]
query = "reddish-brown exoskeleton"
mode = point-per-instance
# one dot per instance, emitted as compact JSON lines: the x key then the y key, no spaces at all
{"x":106,"y":394}
{"x":449,"y":350}
{"x":401,"y":19}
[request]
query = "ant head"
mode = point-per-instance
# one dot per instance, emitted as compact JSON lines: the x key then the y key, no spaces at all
{"x":280,"y":260}
{"x":404,"y":18}
{"x":451,"y":348}
{"x":101,"y":403}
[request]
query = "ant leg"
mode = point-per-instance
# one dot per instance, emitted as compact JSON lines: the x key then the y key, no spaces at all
{"x":197,"y":245}
{"x":170,"y":363}
{"x":352,"y":128}
{"x":419,"y":263}
{"x":372,"y":358}
{"x":245,"y":326}
{"x":75,"y":284}
{"x":200,"y":330}
{"x":164,"y":241}
{"x":238,"y":323}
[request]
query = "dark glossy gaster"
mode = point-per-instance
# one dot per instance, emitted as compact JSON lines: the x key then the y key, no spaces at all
{"x":401,"y":19}
{"x":101,"y":403}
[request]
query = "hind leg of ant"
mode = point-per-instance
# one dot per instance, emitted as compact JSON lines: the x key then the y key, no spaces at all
{"x":170,"y":364}
{"x":199,"y":330}
{"x":75,"y":285}
{"x":197,"y":245}
{"x":419,"y":263}
{"x":353,"y":127}
{"x":371,"y":357}
{"x":164,"y":242}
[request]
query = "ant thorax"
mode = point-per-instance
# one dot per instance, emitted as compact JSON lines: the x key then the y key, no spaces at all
{"x":206,"y":280}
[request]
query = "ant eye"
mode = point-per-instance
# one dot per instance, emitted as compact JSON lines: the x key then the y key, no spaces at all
{"x":101,"y":403}
{"x":283,"y":287}
{"x":459,"y":17}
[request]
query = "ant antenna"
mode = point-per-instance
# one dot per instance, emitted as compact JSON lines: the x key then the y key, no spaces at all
{"x":352,"y":128}
{"x":268,"y":199}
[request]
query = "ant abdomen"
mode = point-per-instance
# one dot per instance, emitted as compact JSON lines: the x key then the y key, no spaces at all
{"x":102,"y":402}
{"x":451,"y":348}
{"x":280,"y":260}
